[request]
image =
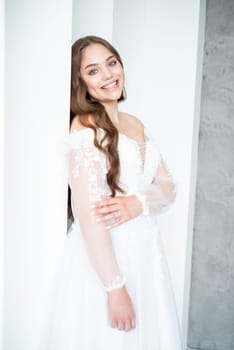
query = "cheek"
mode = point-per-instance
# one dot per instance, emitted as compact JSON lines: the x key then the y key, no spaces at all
{"x":122,"y":76}
{"x":121,"y":73}
{"x":91,"y":84}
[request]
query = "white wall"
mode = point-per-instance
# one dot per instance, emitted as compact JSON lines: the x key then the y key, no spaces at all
{"x":2,"y":27}
{"x":158,"y":41}
{"x":91,"y":17}
{"x":38,"y":42}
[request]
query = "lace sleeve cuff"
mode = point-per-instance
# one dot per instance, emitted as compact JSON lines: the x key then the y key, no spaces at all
{"x":142,"y":199}
{"x":117,"y":283}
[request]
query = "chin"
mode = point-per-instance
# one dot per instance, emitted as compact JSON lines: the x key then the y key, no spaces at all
{"x":109,"y":100}
{"x":114,"y":96}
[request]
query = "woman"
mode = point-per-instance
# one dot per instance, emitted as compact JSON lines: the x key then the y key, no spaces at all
{"x":115,"y":290}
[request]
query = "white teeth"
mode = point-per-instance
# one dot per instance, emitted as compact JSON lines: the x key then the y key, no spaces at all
{"x":110,"y":85}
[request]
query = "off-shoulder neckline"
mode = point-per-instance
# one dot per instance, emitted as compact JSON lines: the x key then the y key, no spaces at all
{"x":75,"y":131}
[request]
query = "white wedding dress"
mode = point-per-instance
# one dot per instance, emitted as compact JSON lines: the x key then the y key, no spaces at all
{"x":96,"y":259}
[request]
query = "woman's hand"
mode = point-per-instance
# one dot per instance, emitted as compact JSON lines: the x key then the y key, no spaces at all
{"x":121,"y":311}
{"x":120,"y":208}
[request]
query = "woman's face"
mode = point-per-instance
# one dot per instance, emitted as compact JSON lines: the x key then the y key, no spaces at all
{"x":102,"y":73}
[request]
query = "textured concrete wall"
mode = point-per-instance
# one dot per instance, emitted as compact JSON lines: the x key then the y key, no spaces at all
{"x":211,"y":321}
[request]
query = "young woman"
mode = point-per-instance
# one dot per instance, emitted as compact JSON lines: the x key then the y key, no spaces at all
{"x":115,"y":291}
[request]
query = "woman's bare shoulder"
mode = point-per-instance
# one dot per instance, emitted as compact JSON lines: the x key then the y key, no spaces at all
{"x":133,"y":120}
{"x":76,"y":124}
{"x":80,"y":135}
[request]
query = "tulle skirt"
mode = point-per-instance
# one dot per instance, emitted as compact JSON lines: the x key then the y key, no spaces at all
{"x":80,"y":315}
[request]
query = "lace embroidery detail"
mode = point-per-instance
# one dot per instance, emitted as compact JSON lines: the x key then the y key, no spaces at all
{"x":87,"y":157}
{"x":142,"y":149}
{"x":87,"y":177}
{"x":117,"y":283}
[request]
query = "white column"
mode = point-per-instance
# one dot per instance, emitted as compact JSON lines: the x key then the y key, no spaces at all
{"x":92,"y":18}
{"x":2,"y":27}
{"x":158,"y":41}
{"x":38,"y":42}
{"x":193,"y":169}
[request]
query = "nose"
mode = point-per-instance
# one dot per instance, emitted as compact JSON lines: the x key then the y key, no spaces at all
{"x":106,"y":73}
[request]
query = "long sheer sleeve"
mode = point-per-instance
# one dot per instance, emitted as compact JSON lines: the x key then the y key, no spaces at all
{"x":87,"y":168}
{"x":161,"y":193}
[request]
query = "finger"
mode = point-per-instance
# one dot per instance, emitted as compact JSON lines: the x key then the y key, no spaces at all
{"x":128,"y":326}
{"x":116,"y":224}
{"x":121,"y":326}
{"x":115,"y":215}
{"x":105,"y":210}
{"x":113,"y":324}
{"x":104,"y":202}
{"x":133,"y":323}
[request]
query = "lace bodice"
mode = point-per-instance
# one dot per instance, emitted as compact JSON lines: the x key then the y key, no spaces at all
{"x":142,"y":172}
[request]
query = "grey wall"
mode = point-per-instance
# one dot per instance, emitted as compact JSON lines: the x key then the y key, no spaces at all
{"x":211,"y":319}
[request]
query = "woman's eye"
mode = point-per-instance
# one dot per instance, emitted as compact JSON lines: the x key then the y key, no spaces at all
{"x":113,"y":63}
{"x":92,"y":71}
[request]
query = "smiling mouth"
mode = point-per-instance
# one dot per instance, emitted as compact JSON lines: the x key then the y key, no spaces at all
{"x":111,"y":85}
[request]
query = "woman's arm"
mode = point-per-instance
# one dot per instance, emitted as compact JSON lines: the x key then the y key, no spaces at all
{"x":161,"y":193}
{"x":87,"y":176}
{"x":87,"y":173}
{"x":154,"y":199}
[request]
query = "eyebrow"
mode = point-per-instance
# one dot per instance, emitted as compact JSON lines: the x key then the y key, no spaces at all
{"x":95,"y":64}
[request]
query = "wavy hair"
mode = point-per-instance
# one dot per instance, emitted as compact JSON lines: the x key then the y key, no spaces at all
{"x":83,"y":105}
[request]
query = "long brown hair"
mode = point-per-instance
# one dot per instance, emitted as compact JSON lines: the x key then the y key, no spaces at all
{"x":83,"y":105}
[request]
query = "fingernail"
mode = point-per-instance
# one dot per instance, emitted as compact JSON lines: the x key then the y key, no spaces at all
{"x":92,"y":206}
{"x":98,"y":220}
{"x":92,"y":212}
